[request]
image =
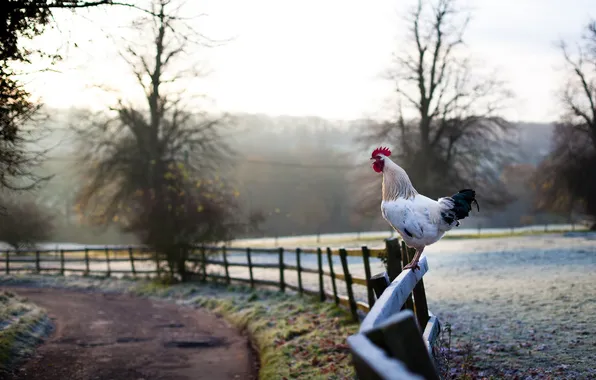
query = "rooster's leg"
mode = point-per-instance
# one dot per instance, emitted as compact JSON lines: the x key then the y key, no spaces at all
{"x":414,"y":263}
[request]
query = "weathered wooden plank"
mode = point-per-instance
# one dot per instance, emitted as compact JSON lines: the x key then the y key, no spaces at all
{"x":132,"y":261}
{"x":379,"y":282}
{"x":420,"y":305}
{"x":282,"y":284}
{"x":320,"y":267}
{"x":406,"y":256}
{"x":62,"y":262}
{"x":369,"y":287}
{"x":37,"y":264}
{"x":226,"y":264}
{"x":348,"y":281}
{"x":339,"y":276}
{"x":112,"y":260}
{"x":203,"y":264}
{"x":22,"y":260}
{"x":345,"y":301}
{"x":230,"y":264}
{"x":86,"y":261}
{"x":249,"y":260}
{"x":393,"y":258}
{"x":332,"y":272}
{"x":298,"y":268}
{"x":376,"y":252}
{"x":372,"y":363}
{"x":265,"y":265}
{"x":243,"y":280}
{"x":266,"y":251}
{"x":394,"y":296}
{"x":302,"y":269}
{"x":400,"y":336}
{"x":363,"y":306}
{"x":431,"y":333}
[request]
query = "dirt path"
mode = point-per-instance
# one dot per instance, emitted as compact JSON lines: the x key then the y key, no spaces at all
{"x":101,"y":336}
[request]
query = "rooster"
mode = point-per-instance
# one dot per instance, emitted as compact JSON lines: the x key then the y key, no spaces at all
{"x":419,"y":220}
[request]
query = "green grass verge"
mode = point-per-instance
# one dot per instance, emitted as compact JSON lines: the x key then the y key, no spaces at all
{"x":22,"y":326}
{"x":296,"y":337}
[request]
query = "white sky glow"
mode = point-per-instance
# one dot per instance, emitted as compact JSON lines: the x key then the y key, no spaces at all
{"x":317,"y":58}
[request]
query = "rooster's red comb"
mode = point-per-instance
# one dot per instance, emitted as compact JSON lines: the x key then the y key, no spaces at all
{"x":381,"y":150}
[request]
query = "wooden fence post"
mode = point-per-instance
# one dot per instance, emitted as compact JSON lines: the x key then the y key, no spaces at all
{"x":61,"y":262}
{"x":332,"y":274}
{"x":86,"y":261}
{"x":379,"y":283}
{"x":226,"y":264}
{"x":321,"y":284}
{"x":109,"y":272}
{"x":348,"y":279}
{"x":37,"y":265}
{"x":282,"y":283}
{"x":393,"y":258}
{"x":203,"y":264}
{"x":400,"y":336}
{"x":249,"y":259}
{"x":406,"y":256}
{"x":369,"y":288}
{"x":132,"y":262}
{"x":420,"y":305}
{"x":157,"y":265}
{"x":299,"y":270}
{"x":7,"y":262}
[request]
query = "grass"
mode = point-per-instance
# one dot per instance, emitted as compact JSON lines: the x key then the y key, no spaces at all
{"x":296,"y":337}
{"x":22,"y":326}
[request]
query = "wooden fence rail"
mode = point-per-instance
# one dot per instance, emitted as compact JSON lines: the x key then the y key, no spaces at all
{"x":396,"y":338}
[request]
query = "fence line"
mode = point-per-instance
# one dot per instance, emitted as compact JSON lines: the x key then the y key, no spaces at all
{"x":141,"y":261}
{"x":398,"y":332}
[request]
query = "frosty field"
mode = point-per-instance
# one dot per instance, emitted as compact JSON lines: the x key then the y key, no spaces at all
{"x":522,"y":305}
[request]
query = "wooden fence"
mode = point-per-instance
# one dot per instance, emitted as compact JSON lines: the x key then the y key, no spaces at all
{"x":141,"y":261}
{"x":396,"y":338}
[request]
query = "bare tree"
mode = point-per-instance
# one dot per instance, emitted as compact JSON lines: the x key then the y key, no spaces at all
{"x":25,"y":222}
{"x":566,"y":180}
{"x":154,"y":169}
{"x":22,"y":20}
{"x":448,"y":133}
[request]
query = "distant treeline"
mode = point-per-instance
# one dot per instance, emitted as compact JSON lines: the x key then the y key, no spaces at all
{"x":295,"y":175}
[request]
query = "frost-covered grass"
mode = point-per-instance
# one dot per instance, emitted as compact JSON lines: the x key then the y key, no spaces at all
{"x":520,"y":307}
{"x":22,"y":326}
{"x":296,"y":337}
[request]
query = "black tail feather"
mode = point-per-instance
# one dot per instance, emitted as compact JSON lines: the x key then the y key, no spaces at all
{"x":462,"y":203}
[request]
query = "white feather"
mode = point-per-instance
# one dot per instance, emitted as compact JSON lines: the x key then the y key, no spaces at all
{"x":418,"y":216}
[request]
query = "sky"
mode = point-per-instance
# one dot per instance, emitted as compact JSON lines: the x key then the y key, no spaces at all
{"x":315,"y":58}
